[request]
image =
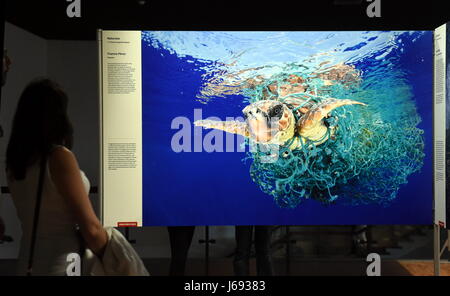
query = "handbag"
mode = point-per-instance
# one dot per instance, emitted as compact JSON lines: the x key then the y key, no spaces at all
{"x":37,"y":210}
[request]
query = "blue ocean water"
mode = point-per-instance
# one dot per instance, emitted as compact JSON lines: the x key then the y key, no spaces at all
{"x":181,"y":72}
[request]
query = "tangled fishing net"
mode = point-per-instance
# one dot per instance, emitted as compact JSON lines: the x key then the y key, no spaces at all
{"x":374,"y":150}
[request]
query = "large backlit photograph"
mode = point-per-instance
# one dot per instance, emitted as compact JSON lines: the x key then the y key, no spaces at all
{"x":286,"y":128}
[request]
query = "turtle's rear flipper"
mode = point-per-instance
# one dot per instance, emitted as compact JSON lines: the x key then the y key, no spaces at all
{"x":234,"y":127}
{"x":311,"y":125}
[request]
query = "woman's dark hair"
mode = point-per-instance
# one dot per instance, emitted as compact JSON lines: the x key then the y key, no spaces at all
{"x":40,"y":122}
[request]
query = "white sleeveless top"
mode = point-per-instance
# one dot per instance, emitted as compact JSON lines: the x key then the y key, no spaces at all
{"x":56,"y":236}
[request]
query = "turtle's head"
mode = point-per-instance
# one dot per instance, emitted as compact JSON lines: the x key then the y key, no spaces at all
{"x":269,"y":121}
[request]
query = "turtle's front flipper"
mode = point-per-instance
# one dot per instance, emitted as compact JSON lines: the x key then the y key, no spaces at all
{"x":234,"y":127}
{"x":311,"y":125}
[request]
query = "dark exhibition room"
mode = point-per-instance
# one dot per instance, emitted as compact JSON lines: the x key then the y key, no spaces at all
{"x":224,"y":147}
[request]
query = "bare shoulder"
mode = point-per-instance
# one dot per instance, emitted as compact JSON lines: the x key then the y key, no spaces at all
{"x":61,"y":153}
{"x":61,"y":159}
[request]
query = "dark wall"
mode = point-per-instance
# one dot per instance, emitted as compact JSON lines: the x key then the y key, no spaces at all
{"x":40,"y":17}
{"x":2,"y":38}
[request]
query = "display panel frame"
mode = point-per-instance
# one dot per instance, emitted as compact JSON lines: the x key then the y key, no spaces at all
{"x":122,"y":221}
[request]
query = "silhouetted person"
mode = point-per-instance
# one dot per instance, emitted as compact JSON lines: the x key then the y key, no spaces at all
{"x":41,"y":137}
{"x":180,"y":241}
{"x":244,"y":236}
{"x":6,"y":64}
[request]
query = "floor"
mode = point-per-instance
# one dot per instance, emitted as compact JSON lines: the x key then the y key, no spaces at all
{"x":345,"y":267}
{"x":325,"y":254}
{"x":223,"y":267}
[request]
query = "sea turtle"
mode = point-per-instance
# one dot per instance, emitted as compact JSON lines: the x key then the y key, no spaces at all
{"x":290,"y":122}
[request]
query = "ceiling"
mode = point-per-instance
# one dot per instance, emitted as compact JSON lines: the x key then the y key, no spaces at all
{"x":48,"y":19}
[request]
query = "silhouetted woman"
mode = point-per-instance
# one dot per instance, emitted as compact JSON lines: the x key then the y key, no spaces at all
{"x":41,"y":128}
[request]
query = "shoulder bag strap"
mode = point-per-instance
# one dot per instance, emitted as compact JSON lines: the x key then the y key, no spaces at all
{"x":36,"y":213}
